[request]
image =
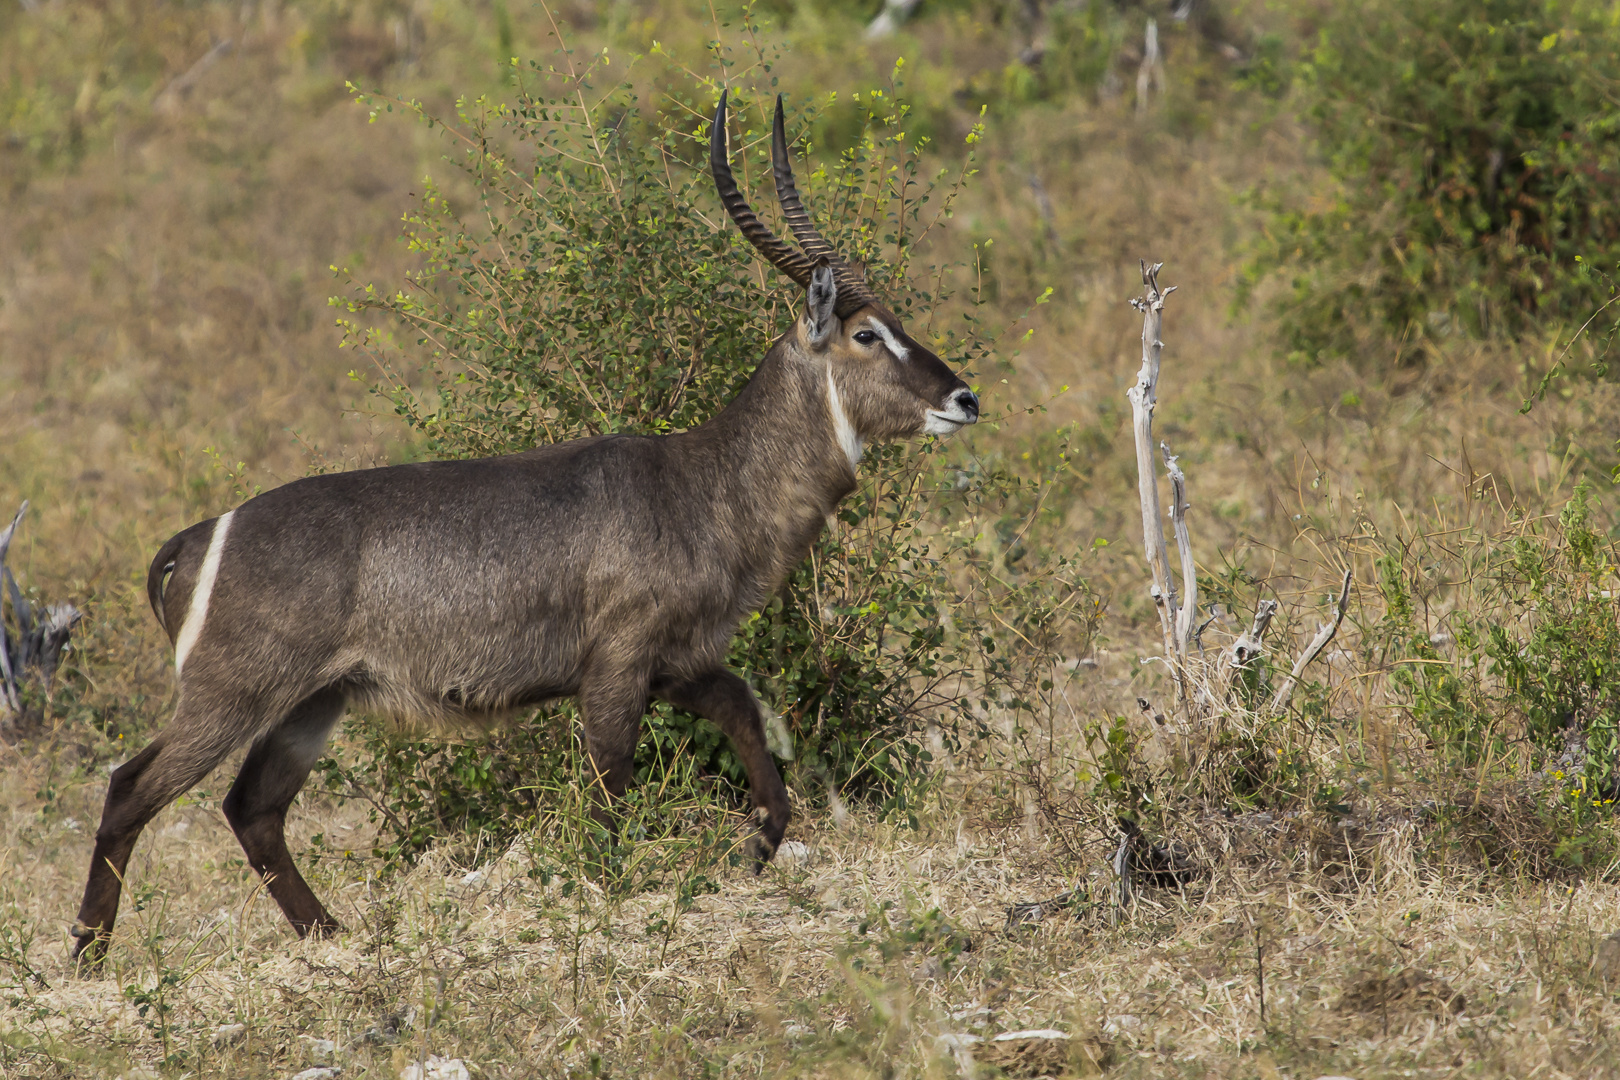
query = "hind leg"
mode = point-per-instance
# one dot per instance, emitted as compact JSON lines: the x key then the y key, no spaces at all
{"x":272,"y":774}
{"x":183,"y":753}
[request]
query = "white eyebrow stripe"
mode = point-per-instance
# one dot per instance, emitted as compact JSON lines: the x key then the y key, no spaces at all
{"x":899,"y":350}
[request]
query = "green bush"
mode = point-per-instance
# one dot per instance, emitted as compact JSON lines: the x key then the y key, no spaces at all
{"x":1446,"y":699}
{"x":597,"y":288}
{"x":1505,"y":651}
{"x":1473,"y":151}
{"x":1560,"y":674}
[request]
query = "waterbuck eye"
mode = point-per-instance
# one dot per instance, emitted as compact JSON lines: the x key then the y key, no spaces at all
{"x":865,"y":337}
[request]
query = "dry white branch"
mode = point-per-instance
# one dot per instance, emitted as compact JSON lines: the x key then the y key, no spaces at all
{"x":889,"y":19}
{"x":1144,"y":396}
{"x":1151,"y":72}
{"x":1251,"y":643}
{"x":1043,"y":203}
{"x":1324,"y":634}
{"x":1188,"y":611}
{"x":1125,"y":877}
{"x":181,"y":85}
{"x":10,"y":702}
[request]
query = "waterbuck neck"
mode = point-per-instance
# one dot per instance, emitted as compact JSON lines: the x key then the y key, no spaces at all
{"x":781,"y":463}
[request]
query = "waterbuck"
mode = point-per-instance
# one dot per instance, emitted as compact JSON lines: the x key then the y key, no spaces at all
{"x":612,"y":569}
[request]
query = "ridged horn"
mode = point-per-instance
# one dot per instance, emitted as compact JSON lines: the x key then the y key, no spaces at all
{"x":853,"y":293}
{"x":792,"y":263}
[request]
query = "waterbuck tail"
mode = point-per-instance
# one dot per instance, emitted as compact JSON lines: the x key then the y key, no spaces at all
{"x":158,"y":575}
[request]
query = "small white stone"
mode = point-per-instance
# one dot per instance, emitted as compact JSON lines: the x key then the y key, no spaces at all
{"x":1039,"y":1033}
{"x":319,"y":1072}
{"x":435,"y":1068}
{"x":1122,"y":1023}
{"x":473,"y":877}
{"x":319,"y":1049}
{"x":792,"y":852}
{"x":228,"y":1034}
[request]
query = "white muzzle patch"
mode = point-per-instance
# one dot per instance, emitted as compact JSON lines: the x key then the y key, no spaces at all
{"x":948,"y":421}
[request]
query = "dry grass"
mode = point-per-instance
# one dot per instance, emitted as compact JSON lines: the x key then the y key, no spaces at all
{"x":169,"y":295}
{"x":853,"y":960}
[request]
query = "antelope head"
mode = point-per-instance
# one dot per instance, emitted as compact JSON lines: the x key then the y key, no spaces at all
{"x":882,"y":385}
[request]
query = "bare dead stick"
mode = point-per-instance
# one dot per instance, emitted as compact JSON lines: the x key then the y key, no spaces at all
{"x":1251,"y":643}
{"x":181,"y":85}
{"x":9,"y":700}
{"x":894,"y":13}
{"x":1324,"y":634}
{"x":1151,"y":73}
{"x":1043,"y":203}
{"x":1188,"y":611}
{"x":1143,"y":396}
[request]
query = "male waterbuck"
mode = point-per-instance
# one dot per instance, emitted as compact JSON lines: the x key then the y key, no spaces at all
{"x":612,"y":569}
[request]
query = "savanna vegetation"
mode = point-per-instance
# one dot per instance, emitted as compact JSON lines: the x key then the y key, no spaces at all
{"x":241,"y":243}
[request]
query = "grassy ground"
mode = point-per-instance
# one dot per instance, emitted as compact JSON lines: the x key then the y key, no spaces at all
{"x":861,"y":954}
{"x":163,"y":317}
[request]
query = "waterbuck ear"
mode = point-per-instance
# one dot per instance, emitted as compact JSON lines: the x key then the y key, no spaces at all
{"x":820,"y":318}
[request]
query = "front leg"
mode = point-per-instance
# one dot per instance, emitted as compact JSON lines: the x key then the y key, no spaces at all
{"x":611,"y":704}
{"x":723,"y":697}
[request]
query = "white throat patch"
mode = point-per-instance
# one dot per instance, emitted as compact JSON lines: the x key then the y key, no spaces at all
{"x":197,"y":612}
{"x":843,"y":431}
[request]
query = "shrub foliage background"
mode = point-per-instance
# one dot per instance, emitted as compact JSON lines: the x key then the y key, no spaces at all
{"x":1476,"y":150}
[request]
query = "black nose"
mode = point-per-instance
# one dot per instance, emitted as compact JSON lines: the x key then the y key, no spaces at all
{"x":967,"y":401}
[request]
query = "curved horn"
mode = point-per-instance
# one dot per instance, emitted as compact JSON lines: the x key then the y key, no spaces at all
{"x":853,"y":293}
{"x":792,"y":263}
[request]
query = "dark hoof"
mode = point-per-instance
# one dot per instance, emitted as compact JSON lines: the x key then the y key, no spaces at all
{"x":89,"y":948}
{"x":759,"y":851}
{"x":320,"y":931}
